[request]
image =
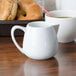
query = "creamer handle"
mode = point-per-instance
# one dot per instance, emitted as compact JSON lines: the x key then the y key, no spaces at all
{"x":13,"y":36}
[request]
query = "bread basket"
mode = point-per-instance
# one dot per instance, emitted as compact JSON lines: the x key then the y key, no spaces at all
{"x":5,"y":26}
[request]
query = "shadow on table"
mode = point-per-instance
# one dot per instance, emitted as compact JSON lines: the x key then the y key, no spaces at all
{"x":41,"y":67}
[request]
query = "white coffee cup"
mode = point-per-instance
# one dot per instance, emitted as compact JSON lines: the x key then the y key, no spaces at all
{"x":40,"y":40}
{"x":67,"y":28}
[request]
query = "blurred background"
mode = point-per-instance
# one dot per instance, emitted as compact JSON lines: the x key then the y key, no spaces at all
{"x":48,"y":4}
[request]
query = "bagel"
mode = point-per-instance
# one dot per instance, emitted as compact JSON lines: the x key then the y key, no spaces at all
{"x":8,"y":9}
{"x":31,"y":11}
{"x":20,"y":12}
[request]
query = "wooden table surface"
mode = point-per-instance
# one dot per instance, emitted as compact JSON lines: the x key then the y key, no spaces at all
{"x":14,"y":63}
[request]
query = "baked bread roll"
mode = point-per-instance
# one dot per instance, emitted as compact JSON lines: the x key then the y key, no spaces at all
{"x":28,"y":10}
{"x":8,"y":9}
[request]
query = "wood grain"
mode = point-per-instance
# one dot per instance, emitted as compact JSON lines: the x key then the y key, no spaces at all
{"x":14,"y":63}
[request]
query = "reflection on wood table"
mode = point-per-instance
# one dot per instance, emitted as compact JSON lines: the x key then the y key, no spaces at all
{"x":14,"y":63}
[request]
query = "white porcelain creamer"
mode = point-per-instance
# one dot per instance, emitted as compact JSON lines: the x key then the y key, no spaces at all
{"x":66,"y":4}
{"x":40,"y":40}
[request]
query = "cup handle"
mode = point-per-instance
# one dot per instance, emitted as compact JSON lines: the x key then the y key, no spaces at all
{"x":13,"y":36}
